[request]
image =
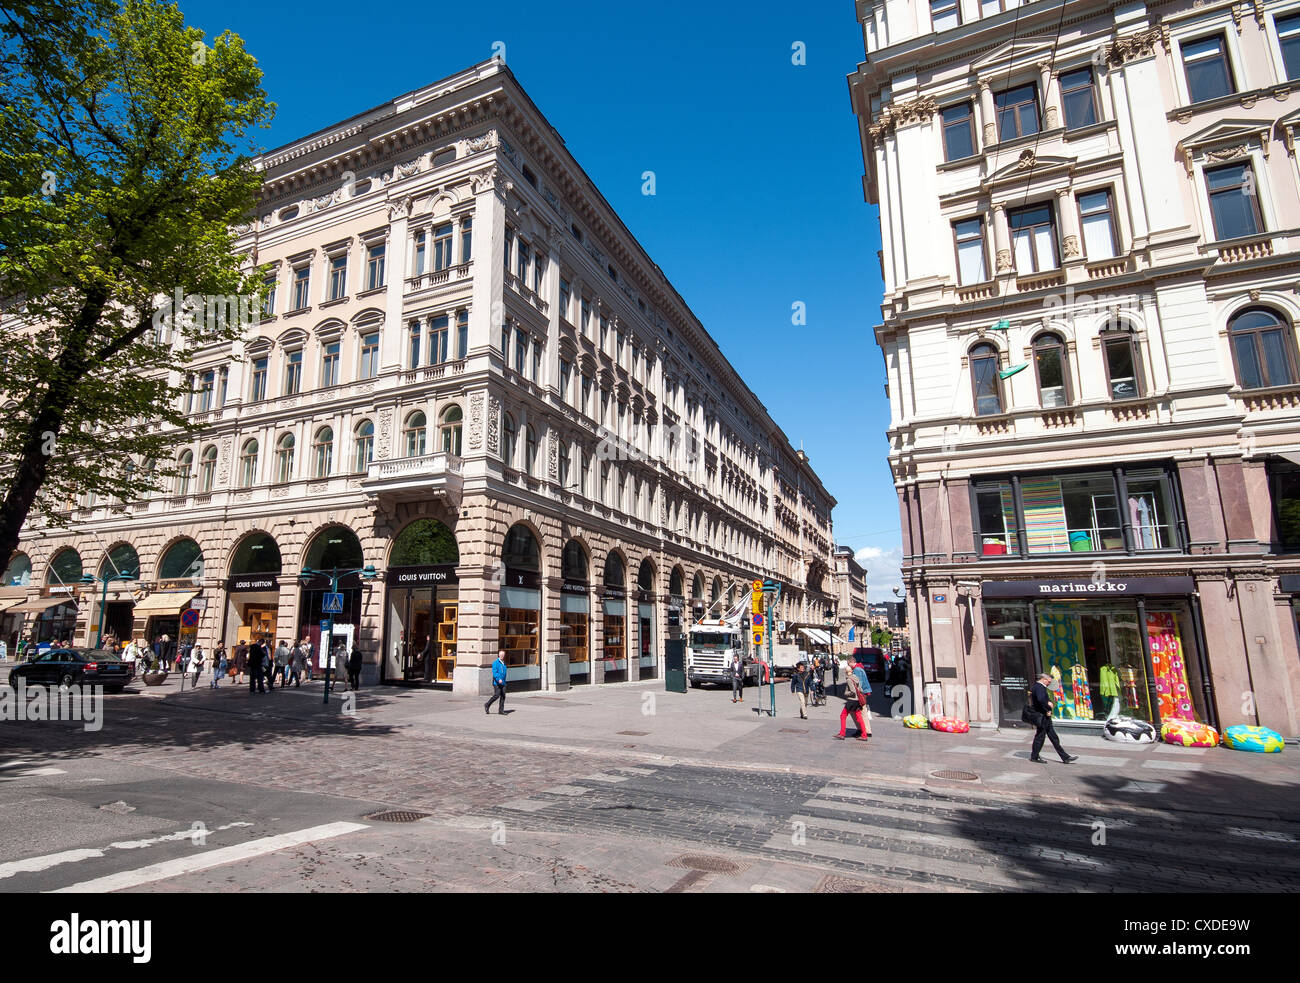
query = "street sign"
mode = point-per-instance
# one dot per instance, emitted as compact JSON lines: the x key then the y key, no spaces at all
{"x":758,"y":621}
{"x":332,"y":604}
{"x":189,"y":618}
{"x":326,"y":625}
{"x":780,"y":626}
{"x":756,"y":586}
{"x":758,"y":637}
{"x":199,"y":604}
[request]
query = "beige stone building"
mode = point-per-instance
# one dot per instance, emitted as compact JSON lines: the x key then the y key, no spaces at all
{"x":470,"y":377}
{"x":1090,"y":216}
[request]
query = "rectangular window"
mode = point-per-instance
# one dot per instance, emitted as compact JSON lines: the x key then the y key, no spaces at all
{"x":1284,"y":482}
{"x":421,"y":249}
{"x":223,"y":384}
{"x":1205,"y":64}
{"x":944,"y":14}
{"x":505,"y":344}
{"x":293,"y":373}
{"x":258,"y":391}
{"x":1097,"y":219}
{"x":566,"y":372}
{"x":1288,"y":39}
{"x":462,"y":334}
{"x":1121,"y":365}
{"x":1017,"y":112}
{"x":301,"y":287}
{"x":509,"y":246}
{"x":990,"y":7}
{"x":604,"y":332}
{"x":207,"y":383}
{"x":414,"y":360}
{"x":1234,"y":201}
{"x":525,"y":260}
{"x":1150,"y":509}
{"x":972,"y":262}
{"x":521,"y":351}
{"x":442,"y":243}
{"x":1078,"y":98}
{"x":338,"y":277}
{"x":537,"y":362}
{"x":564,"y":298}
{"x":438,"y":339}
{"x":268,"y":305}
{"x":1049,"y":362}
{"x":370,"y":355}
{"x":984,"y":380}
{"x":958,"y":131}
{"x":539,"y":273}
{"x":466,"y":240}
{"x":995,"y":511}
{"x":1033,"y":238}
{"x":329,"y":370}
{"x":375,"y":266}
{"x":586,"y":318}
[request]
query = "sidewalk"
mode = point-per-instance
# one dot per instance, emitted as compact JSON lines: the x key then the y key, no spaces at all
{"x":702,"y":727}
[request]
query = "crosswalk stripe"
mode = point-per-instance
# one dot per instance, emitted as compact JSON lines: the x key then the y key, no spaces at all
{"x":212,"y":858}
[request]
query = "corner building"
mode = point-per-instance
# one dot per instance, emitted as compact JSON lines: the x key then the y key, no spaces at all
{"x":1089,"y":220}
{"x":470,"y":376}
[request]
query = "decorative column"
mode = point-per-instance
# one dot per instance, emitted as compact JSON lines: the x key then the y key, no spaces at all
{"x":1001,"y":239}
{"x":1051,"y":96}
{"x":988,"y":115}
{"x":1069,"y":224}
{"x":396,"y":247}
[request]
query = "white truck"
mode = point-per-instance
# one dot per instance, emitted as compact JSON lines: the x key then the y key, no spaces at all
{"x":710,"y":646}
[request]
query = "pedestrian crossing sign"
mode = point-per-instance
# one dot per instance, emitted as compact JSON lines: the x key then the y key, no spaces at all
{"x":332,"y":604}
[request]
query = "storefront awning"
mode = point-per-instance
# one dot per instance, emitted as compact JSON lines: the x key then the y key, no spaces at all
{"x":1292,"y":456}
{"x":40,"y":604}
{"x":817,"y":635}
{"x":165,"y":602}
{"x":11,"y":597}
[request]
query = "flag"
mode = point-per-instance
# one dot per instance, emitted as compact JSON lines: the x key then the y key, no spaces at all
{"x":850,"y":633}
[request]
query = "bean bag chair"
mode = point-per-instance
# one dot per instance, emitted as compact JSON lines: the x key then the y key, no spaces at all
{"x":949,"y":725}
{"x":1245,"y":737}
{"x":916,"y":721}
{"x":1129,"y":730}
{"x":1188,"y":733}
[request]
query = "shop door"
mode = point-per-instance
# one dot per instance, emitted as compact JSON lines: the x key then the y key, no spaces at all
{"x":1015,"y":662}
{"x":414,"y":610}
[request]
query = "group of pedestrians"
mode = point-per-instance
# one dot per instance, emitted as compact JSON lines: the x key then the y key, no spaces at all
{"x":808,"y":683}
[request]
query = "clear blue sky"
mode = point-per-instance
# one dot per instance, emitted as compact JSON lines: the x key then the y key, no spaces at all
{"x":757,"y":162}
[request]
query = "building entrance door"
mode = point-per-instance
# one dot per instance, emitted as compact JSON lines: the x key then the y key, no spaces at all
{"x":1015,"y":663}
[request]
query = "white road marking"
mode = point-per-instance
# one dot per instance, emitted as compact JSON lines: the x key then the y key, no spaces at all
{"x":567,"y":790}
{"x":33,"y":864}
{"x":601,"y":777}
{"x":212,"y":858}
{"x":31,"y":773}
{"x":968,"y":749}
{"x":1260,"y":834}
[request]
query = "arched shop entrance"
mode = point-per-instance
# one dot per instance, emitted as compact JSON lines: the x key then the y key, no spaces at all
{"x":118,"y":616}
{"x":519,"y":629}
{"x":421,"y":594}
{"x":253,"y":589}
{"x":575,"y":612}
{"x":333,"y":548}
{"x":56,"y":611}
{"x":676,"y":603}
{"x":697,"y":598}
{"x":648,"y":650}
{"x":615,"y":604}
{"x":179,"y":578}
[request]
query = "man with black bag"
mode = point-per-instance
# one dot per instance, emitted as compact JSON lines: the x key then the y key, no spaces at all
{"x":1038,"y":711}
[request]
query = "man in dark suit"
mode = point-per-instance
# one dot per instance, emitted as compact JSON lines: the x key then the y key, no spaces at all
{"x":1040,"y":714}
{"x":256,"y":667}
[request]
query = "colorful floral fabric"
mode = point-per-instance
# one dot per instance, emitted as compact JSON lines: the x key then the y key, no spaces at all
{"x":1170,"y":671}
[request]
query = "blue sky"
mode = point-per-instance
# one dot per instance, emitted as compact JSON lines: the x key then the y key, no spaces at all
{"x":757,"y":166}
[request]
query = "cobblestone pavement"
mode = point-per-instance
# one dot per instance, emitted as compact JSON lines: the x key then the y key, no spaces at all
{"x":587,"y":793}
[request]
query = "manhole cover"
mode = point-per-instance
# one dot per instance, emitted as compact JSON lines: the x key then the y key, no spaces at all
{"x":956,"y":776}
{"x":633,"y":733}
{"x":119,"y":807}
{"x":397,"y":816}
{"x":830,"y":884}
{"x":709,"y":863}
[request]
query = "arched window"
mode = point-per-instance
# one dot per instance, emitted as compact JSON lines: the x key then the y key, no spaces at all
{"x":425,"y":542}
{"x":19,"y":571}
{"x":449,"y":430}
{"x":365,"y":436}
{"x":1262,"y":349}
{"x":208,"y":469}
{"x":413,"y":434}
{"x":284,"y":458}
{"x":185,"y":465}
{"x":122,"y":558}
{"x":182,"y":561}
{"x":573,"y":564}
{"x":1053,"y":374}
{"x":530,"y":450}
{"x":248,"y":464}
{"x":984,"y":380}
{"x":322,"y":446}
{"x":1123,"y":367}
{"x":509,"y":440}
{"x":520,"y":551}
{"x":258,"y":553}
{"x":64,"y":569}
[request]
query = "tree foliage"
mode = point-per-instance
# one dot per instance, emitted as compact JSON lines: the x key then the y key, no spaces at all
{"x":125,"y":170}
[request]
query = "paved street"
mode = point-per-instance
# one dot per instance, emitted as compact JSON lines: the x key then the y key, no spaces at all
{"x":624,"y":788}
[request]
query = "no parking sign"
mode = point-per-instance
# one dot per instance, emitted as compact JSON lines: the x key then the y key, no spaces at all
{"x":189,"y":618}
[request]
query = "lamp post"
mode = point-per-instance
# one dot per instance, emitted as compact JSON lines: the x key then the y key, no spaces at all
{"x":335,"y":575}
{"x":88,"y":579}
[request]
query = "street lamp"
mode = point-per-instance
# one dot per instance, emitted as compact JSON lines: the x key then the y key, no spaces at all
{"x":88,"y":580}
{"x":367,"y":572}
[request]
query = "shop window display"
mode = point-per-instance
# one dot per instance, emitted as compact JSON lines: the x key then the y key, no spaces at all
{"x":1174,"y":665}
{"x":1095,"y":657}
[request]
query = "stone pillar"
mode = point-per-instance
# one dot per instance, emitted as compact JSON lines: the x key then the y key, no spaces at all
{"x":477,"y":618}
{"x":1001,"y":239}
{"x":1050,"y":88}
{"x":551,"y":634}
{"x":596,"y":630}
{"x":399,"y":213}
{"x":988,"y":115}
{"x":1069,"y":218}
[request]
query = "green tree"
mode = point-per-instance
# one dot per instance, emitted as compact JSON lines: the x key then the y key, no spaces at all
{"x":125,"y":170}
{"x":881,"y":637}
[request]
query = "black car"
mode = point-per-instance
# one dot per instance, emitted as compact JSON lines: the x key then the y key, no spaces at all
{"x":874,"y":660}
{"x":76,"y":666}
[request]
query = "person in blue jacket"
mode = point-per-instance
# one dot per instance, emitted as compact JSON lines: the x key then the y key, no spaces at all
{"x":498,"y":684}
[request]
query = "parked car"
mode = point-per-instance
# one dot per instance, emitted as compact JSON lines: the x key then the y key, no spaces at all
{"x":875,"y":661}
{"x":75,"y":666}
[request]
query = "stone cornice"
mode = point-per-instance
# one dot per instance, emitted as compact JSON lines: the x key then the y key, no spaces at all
{"x":901,"y":114}
{"x":1134,"y":46}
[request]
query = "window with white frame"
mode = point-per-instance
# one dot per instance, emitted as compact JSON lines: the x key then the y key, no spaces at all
{"x":365,"y":445}
{"x":442,"y":244}
{"x":1206,"y":68}
{"x":301,"y":287}
{"x":462,"y":334}
{"x":509,"y":440}
{"x":945,"y":14}
{"x":268,"y":304}
{"x":185,"y":469}
{"x":369,"y":355}
{"x":438,"y":337}
{"x":466,"y":239}
{"x":421,"y":251}
{"x":338,"y":276}
{"x":413,"y":434}
{"x":257,"y":390}
{"x":375,"y":265}
{"x":329,"y":367}
{"x":521,"y":350}
{"x":207,"y":469}
{"x":1033,"y":238}
{"x":449,"y":430}
{"x":322,"y":446}
{"x":1079,"y":98}
{"x":247,"y":464}
{"x":972,"y":256}
{"x":293,"y":372}
{"x":1234,"y":201}
{"x":284,"y":458}
{"x":413,"y":345}
{"x":1288,"y":39}
{"x":1097,"y":222}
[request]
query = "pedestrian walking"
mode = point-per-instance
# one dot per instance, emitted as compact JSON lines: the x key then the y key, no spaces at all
{"x":354,"y":667}
{"x":426,"y":657}
{"x":737,"y":680}
{"x":256,"y":666}
{"x":197,"y":658}
{"x":220,"y":665}
{"x":296,"y":664}
{"x":854,"y":703}
{"x":1038,"y":711}
{"x":305,"y":645}
{"x":498,"y":684}
{"x":241,"y":662}
{"x":835,"y":675}
{"x":799,"y":687}
{"x":282,"y":663}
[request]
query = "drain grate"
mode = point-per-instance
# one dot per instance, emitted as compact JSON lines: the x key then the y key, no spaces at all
{"x":956,"y":776}
{"x":709,"y":863}
{"x":397,"y":816}
{"x":830,"y":884}
{"x":633,"y":733}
